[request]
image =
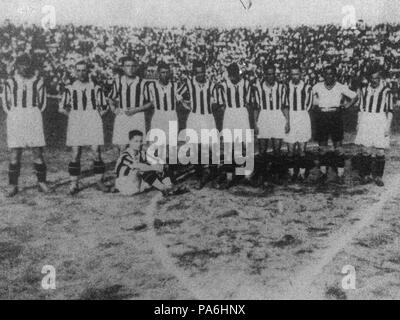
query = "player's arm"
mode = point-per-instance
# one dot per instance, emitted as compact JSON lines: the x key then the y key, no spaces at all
{"x":4,"y":95}
{"x":42,"y":95}
{"x":101,"y":102}
{"x":315,"y":99}
{"x":143,"y":108}
{"x":183,"y":96}
{"x":64,"y":107}
{"x":113,"y":98}
{"x":146,"y":167}
{"x":254,"y":99}
{"x":310,"y":98}
{"x":353,"y":96}
{"x":285,"y":109}
{"x":146,"y":105}
{"x":389,"y":112}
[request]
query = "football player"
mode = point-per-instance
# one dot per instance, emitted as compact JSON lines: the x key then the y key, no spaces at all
{"x":24,"y":102}
{"x":84,"y":103}
{"x":374,"y":122}
{"x":329,"y":102}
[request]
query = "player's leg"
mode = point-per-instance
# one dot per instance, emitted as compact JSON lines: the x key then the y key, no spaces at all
{"x":130,"y":184}
{"x":14,"y":169}
{"x":199,"y":168}
{"x":99,"y":168}
{"x":306,"y":161}
{"x":276,"y":159}
{"x":324,"y":160}
{"x":338,"y":161}
{"x":74,"y":169}
{"x":322,"y":136}
{"x":337,"y":134}
{"x":378,"y":166}
{"x":364,"y":164}
{"x":262,"y":163}
{"x":262,"y":146}
{"x":291,"y":160}
{"x":40,"y":169}
{"x":228,"y":166}
{"x":153,"y":179}
{"x":169,"y":166}
{"x":277,"y":146}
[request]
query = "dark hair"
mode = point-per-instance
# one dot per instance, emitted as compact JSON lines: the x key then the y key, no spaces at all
{"x":82,"y":62}
{"x":269,"y":66}
{"x":135,"y":133}
{"x":294,"y":66}
{"x":233,"y":69}
{"x":375,"y":69}
{"x":24,"y":60}
{"x":198,"y":64}
{"x":332,"y":68}
{"x":127,"y":58}
{"x":162,"y":65}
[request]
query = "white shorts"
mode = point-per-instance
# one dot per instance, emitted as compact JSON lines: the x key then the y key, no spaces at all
{"x":123,"y":124}
{"x":197,"y":122}
{"x":271,"y":124}
{"x":85,"y":128}
{"x":300,"y":127}
{"x":371,"y":131}
{"x":131,"y":184}
{"x":161,"y":121}
{"x":25,"y":128}
{"x":236,"y":118}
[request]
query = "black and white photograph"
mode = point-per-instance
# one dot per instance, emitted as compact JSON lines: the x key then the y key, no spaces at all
{"x":201,"y":150}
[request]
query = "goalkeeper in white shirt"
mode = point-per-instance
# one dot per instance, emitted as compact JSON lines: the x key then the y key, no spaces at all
{"x":331,"y":98}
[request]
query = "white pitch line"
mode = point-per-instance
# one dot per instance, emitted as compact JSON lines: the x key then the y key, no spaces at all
{"x":302,"y":286}
{"x":226,"y":286}
{"x":299,"y":288}
{"x":162,"y":253}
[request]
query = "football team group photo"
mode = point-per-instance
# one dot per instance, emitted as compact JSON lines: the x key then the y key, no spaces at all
{"x":199,"y":150}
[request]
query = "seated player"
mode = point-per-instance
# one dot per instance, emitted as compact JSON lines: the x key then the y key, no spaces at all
{"x":135,"y":174}
{"x":374,"y":122}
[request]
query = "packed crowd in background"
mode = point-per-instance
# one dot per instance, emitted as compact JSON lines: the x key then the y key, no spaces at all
{"x":56,"y":51}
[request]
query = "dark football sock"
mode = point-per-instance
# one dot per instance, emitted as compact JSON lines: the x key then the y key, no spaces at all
{"x":74,"y":169}
{"x":149,"y":177}
{"x":13,"y":173}
{"x":380,"y":166}
{"x":339,"y":160}
{"x":41,"y":172}
{"x":357,"y":162}
{"x":324,"y":160}
{"x":99,"y":167}
{"x":291,"y":162}
{"x":365,"y":166}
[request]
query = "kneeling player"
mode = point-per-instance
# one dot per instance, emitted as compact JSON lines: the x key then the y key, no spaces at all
{"x":135,"y":174}
{"x":375,"y":119}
